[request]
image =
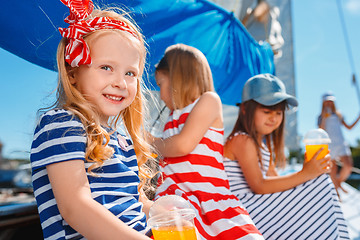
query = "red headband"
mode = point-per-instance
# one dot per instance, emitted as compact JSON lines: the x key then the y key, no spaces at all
{"x":77,"y":51}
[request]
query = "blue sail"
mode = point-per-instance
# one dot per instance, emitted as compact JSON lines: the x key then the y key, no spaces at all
{"x":29,"y":29}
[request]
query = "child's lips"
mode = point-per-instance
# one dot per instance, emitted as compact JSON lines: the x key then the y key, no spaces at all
{"x":113,"y":97}
{"x":270,"y":125}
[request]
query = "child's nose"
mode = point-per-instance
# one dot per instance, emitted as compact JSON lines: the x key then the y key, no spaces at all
{"x":273,"y":117}
{"x":119,"y":82}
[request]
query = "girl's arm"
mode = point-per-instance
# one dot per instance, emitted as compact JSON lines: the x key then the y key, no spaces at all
{"x":73,"y":196}
{"x":207,"y":112}
{"x":349,"y":126}
{"x":272,"y":170}
{"x":244,"y":150}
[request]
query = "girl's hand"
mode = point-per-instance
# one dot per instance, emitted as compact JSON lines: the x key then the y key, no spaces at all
{"x":314,"y":168}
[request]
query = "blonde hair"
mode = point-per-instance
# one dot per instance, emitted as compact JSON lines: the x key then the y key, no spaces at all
{"x":189,"y":73}
{"x":68,"y":97}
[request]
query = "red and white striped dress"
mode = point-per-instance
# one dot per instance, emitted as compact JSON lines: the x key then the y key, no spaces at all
{"x":199,"y":177}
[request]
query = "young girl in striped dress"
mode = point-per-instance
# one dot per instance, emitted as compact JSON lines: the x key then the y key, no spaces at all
{"x":302,"y":205}
{"x":192,"y":146}
{"x":85,"y":174}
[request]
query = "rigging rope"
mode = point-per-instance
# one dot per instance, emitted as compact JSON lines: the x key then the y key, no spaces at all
{"x":346,"y":37}
{"x":348,"y":47}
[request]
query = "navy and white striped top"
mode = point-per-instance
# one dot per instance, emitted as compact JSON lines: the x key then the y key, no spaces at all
{"x":59,"y":137}
{"x":236,"y":177}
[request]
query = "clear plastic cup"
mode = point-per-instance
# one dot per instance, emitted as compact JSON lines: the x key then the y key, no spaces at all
{"x":314,"y":140}
{"x":172,"y":218}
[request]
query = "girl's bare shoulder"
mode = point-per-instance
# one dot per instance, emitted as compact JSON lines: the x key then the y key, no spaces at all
{"x":210,"y":97}
{"x":240,"y":146}
{"x":241,"y":140}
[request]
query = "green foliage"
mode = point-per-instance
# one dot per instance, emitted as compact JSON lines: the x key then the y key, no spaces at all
{"x":298,"y":154}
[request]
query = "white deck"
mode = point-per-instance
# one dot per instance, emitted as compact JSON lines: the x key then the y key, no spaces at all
{"x":350,"y":204}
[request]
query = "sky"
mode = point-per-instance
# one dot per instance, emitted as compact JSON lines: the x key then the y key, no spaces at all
{"x":320,"y":58}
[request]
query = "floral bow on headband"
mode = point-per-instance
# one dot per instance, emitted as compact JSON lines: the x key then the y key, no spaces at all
{"x":77,"y":51}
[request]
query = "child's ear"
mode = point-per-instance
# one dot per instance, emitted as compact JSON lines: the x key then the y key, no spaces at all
{"x":242,"y":109}
{"x":71,"y":74}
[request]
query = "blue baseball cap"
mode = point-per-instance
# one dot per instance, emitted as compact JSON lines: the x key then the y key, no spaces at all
{"x":267,"y":90}
{"x":328,"y":96}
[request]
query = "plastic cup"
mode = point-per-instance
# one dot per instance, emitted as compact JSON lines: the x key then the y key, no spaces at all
{"x":171,"y":218}
{"x":314,"y":140}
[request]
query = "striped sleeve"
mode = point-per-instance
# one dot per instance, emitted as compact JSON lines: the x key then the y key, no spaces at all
{"x":58,"y":137}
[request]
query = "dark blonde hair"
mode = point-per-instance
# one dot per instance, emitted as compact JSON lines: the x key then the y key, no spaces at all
{"x":333,"y":107}
{"x":68,"y":97}
{"x":189,"y":73}
{"x":274,"y":141}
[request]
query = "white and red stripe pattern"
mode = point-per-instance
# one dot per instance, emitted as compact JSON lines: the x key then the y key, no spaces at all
{"x":77,"y":51}
{"x":79,"y":9}
{"x":199,"y":177}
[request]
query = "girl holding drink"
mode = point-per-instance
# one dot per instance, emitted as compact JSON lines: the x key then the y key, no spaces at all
{"x":301,"y":205}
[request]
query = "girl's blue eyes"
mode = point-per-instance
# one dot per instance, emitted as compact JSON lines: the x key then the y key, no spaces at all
{"x":107,"y":68}
{"x":131,"y":74}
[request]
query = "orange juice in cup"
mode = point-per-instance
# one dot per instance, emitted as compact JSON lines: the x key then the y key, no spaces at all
{"x":312,"y":149}
{"x":314,"y":140}
{"x":171,"y":218}
{"x":174,"y":233}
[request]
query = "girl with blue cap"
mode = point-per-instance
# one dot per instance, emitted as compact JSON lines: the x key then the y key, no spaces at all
{"x":301,"y":205}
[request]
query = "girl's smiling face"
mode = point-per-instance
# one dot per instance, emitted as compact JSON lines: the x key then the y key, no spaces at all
{"x":267,"y":120}
{"x":110,"y":82}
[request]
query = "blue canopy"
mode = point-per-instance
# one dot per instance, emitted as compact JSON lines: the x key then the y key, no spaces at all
{"x":29,"y":29}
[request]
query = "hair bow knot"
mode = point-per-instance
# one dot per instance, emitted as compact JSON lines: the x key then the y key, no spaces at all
{"x":77,"y":51}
